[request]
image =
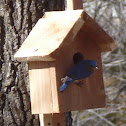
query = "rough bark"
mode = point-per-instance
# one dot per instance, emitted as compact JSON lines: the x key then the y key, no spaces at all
{"x":19,"y":18}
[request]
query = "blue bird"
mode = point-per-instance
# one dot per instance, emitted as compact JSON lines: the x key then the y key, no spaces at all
{"x":80,"y":70}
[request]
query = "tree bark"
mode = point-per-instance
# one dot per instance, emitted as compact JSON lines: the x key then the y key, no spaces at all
{"x":17,"y":21}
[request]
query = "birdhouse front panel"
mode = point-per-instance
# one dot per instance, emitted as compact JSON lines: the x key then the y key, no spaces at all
{"x":89,"y":93}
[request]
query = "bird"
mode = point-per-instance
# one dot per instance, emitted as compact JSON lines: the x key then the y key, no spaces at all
{"x":81,"y":70}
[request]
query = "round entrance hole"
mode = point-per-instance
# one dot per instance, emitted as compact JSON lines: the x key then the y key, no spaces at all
{"x":77,"y":57}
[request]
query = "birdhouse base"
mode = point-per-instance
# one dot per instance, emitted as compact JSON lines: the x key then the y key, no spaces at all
{"x":55,"y":119}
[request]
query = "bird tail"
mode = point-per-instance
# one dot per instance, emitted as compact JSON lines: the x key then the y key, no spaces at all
{"x":65,"y":85}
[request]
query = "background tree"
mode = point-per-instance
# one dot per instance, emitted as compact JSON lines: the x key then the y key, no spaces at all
{"x":111,"y":16}
{"x":17,"y":18}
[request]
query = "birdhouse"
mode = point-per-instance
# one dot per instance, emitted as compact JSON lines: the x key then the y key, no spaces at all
{"x":49,"y":50}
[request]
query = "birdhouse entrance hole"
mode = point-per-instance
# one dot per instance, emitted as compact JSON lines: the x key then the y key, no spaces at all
{"x":77,"y":57}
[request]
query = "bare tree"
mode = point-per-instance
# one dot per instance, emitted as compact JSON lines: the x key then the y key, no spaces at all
{"x":16,"y":21}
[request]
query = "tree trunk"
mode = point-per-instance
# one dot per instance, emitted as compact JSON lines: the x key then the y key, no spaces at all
{"x":17,"y":21}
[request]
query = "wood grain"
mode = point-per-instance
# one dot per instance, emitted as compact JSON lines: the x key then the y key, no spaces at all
{"x":51,"y":32}
{"x":56,"y":119}
{"x":74,"y":4}
{"x":40,"y":87}
{"x":48,"y":77}
{"x":91,"y":94}
{"x":54,"y":89}
{"x":48,"y":34}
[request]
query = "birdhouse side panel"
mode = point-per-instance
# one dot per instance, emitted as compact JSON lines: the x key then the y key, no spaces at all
{"x":90,"y":92}
{"x":40,"y":87}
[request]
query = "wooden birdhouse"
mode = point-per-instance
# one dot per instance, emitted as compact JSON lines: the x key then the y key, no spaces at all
{"x":49,"y":50}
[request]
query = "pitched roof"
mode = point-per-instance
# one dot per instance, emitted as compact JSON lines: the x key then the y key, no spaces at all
{"x":51,"y":30}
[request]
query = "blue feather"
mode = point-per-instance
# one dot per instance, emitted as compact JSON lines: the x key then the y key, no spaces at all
{"x":80,"y":71}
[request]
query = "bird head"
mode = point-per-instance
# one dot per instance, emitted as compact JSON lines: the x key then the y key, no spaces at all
{"x":93,"y":64}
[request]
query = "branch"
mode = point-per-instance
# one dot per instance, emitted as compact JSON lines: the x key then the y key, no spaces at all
{"x":101,"y":117}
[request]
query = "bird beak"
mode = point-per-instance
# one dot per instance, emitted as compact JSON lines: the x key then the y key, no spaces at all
{"x":96,"y":67}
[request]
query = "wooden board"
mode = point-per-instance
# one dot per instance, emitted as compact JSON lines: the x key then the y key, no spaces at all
{"x":52,"y":119}
{"x":92,"y":30}
{"x":50,"y":33}
{"x":74,"y":4}
{"x":54,"y":89}
{"x":91,"y":94}
{"x":40,"y":87}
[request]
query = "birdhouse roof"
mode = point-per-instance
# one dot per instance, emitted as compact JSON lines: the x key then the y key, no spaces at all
{"x":54,"y":28}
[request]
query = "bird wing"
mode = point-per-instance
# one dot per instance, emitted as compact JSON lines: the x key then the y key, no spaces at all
{"x":79,"y":70}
